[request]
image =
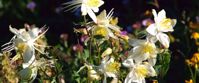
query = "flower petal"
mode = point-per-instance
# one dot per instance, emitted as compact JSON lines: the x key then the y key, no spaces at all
{"x":164,"y":39}
{"x":161,"y":16}
{"x":152,"y":29}
{"x":28,"y":57}
{"x":92,"y":15}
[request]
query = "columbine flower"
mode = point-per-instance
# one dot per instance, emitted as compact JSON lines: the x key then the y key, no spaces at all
{"x":109,"y":68}
{"x":87,"y":6}
{"x":138,"y":71}
{"x":104,"y":26}
{"x":27,"y":42}
{"x":162,"y":24}
{"x":142,"y":50}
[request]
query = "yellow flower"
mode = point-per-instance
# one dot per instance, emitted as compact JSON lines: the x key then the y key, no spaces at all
{"x":194,"y":61}
{"x":195,"y":35}
{"x":189,"y":81}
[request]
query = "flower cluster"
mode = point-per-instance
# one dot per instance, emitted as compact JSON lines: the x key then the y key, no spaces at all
{"x":104,"y":35}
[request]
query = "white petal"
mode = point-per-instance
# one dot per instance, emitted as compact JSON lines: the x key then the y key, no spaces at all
{"x":128,"y":62}
{"x":136,"y":42}
{"x":164,"y":39}
{"x":92,"y":15}
{"x":151,"y":70}
{"x":152,"y":61}
{"x":161,"y":15}
{"x":95,"y":9}
{"x":83,"y":9}
{"x":110,"y":33}
{"x":152,"y":29}
{"x":115,"y":28}
{"x":155,"y":14}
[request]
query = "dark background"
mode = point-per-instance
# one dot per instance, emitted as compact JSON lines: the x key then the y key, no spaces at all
{"x":50,"y":13}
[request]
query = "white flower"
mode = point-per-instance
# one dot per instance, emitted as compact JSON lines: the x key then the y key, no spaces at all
{"x":142,"y":50}
{"x":138,"y":71}
{"x":162,"y":24}
{"x":104,"y":27}
{"x":26,"y":41}
{"x":87,"y":7}
{"x":109,"y":68}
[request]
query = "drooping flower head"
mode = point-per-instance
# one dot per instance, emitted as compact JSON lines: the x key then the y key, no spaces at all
{"x":27,"y":41}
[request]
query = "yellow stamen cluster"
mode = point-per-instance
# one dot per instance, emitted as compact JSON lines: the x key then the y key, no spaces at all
{"x":166,"y":23}
{"x":141,"y":71}
{"x":93,"y":3}
{"x":21,"y":47}
{"x":113,"y":67}
{"x":148,"y":48}
{"x":101,"y":31}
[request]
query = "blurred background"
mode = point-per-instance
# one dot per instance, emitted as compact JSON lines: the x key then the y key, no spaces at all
{"x":51,"y":13}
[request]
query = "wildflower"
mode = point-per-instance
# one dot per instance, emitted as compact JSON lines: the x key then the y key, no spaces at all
{"x":162,"y":24}
{"x":195,"y":35}
{"x":139,"y":71}
{"x":142,"y":50}
{"x":87,"y":7}
{"x":147,"y":22}
{"x":27,"y":42}
{"x":194,"y":61}
{"x":109,"y":68}
{"x":189,"y":81}
{"x":31,"y":5}
{"x":78,"y":48}
{"x":104,"y":27}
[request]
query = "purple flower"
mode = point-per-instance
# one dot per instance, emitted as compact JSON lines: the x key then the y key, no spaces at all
{"x":31,"y":5}
{"x":147,"y":22}
{"x":123,"y":32}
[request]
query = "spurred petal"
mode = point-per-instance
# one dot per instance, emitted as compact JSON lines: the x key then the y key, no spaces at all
{"x":92,"y":15}
{"x":164,"y":39}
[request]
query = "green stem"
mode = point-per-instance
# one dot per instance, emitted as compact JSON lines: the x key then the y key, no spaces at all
{"x":192,"y":75}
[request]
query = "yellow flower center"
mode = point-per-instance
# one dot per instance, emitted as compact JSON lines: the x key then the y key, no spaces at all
{"x":113,"y":67}
{"x":166,"y":23}
{"x":141,"y":71}
{"x":148,"y":48}
{"x":100,"y":31}
{"x":93,"y":3}
{"x":21,"y":47}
